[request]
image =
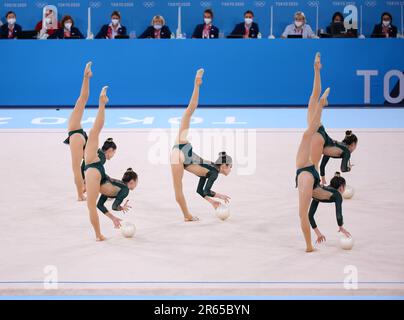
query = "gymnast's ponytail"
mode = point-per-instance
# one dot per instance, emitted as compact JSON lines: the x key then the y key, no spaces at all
{"x":350,"y":138}
{"x":129,"y":175}
{"x":337,"y":181}
{"x":224,"y":159}
{"x":109,"y":144}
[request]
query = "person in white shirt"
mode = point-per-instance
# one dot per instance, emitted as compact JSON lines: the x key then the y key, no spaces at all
{"x":113,"y":29}
{"x":299,"y":27}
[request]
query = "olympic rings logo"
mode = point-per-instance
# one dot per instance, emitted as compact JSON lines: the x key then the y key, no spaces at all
{"x":371,"y":4}
{"x":206,"y":4}
{"x":149,"y":4}
{"x":313,"y":3}
{"x":260,"y":4}
{"x":40,"y":4}
{"x":95,"y":4}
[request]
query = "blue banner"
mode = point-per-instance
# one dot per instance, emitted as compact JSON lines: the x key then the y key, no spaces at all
{"x":237,"y":72}
{"x":137,"y":14}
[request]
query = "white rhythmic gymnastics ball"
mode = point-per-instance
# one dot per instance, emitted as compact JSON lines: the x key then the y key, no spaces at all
{"x":348,"y":193}
{"x":346,"y":243}
{"x":223,"y":212}
{"x":128,"y":230}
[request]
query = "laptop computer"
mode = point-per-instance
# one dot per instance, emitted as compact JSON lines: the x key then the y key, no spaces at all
{"x":122,"y":36}
{"x":28,"y":35}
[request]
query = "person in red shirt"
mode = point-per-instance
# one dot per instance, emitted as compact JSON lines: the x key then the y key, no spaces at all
{"x":48,"y":25}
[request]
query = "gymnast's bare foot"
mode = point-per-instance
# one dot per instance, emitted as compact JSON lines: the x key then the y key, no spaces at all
{"x":310,"y":249}
{"x":190,"y":218}
{"x":100,"y":238}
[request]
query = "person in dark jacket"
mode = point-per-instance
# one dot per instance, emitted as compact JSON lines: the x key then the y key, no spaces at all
{"x":336,"y":26}
{"x":206,"y":30}
{"x":11,"y":29}
{"x":113,"y":29}
{"x":157,"y":30}
{"x":385,"y":29}
{"x":246,"y":29}
{"x":67,"y":30}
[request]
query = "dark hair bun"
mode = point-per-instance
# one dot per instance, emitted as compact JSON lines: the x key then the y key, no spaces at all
{"x":337,"y":174}
{"x":348,"y":133}
{"x":222,"y":154}
{"x":129,"y":170}
{"x":110,"y":139}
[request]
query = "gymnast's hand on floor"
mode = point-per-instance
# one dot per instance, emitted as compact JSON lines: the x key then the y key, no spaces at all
{"x":87,"y":71}
{"x":223,"y":197}
{"x":320,"y":237}
{"x":214,"y":203}
{"x":345,"y":232}
{"x":323,"y":181}
{"x":115,"y":220}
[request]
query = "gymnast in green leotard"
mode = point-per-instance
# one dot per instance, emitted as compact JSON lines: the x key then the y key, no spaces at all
{"x":307,"y":177}
{"x":323,"y":145}
{"x":118,"y":190}
{"x":337,"y":150}
{"x":96,"y":179}
{"x":77,"y":137}
{"x":329,"y":194}
{"x":183,"y":158}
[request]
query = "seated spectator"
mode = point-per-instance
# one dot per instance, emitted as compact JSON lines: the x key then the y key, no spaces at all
{"x":299,"y":28}
{"x":48,"y":25}
{"x":113,"y":29}
{"x":246,"y":29}
{"x":157,"y":30}
{"x":336,"y":26}
{"x":385,"y":29}
{"x":11,"y":29}
{"x":67,"y":30}
{"x":206,"y":30}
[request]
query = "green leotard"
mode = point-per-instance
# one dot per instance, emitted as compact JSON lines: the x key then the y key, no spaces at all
{"x":345,"y":153}
{"x":311,"y":169}
{"x":119,"y":197}
{"x":80,"y":131}
{"x":99,"y":166}
{"x":205,"y":183}
{"x":336,"y":198}
{"x":327,"y":140}
{"x":67,"y":141}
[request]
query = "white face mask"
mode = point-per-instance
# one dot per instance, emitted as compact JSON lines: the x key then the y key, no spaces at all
{"x":11,"y":21}
{"x":208,"y":20}
{"x":158,"y":26}
{"x":299,"y":23}
{"x":48,"y":20}
{"x":248,"y":20}
{"x":68,"y":25}
{"x":386,"y":23}
{"x":115,"y":22}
